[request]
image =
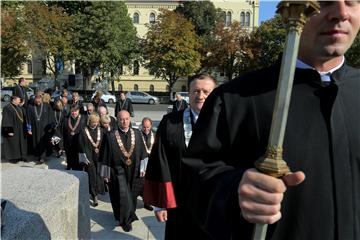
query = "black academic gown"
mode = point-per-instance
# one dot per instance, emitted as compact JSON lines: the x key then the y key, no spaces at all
{"x":39,"y":119}
{"x":21,"y":93}
{"x":124,"y":105}
{"x":322,"y":139}
{"x":124,"y":183}
{"x":71,"y":145}
{"x":56,"y":123}
{"x":86,"y":147}
{"x":179,"y":105}
{"x":163,"y":176}
{"x":13,"y":121}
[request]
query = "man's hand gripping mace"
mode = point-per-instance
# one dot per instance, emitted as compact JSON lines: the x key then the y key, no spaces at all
{"x":294,"y":15}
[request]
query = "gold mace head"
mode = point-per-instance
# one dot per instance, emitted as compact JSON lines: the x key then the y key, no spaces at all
{"x":296,"y":13}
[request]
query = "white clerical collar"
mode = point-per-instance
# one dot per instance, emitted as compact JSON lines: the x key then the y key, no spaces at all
{"x":325,"y":76}
{"x":195,"y":115}
{"x":123,"y":130}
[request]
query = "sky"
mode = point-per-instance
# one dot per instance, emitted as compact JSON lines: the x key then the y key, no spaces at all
{"x":267,"y":9}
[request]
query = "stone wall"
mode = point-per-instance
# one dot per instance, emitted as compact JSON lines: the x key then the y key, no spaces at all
{"x":45,"y":204}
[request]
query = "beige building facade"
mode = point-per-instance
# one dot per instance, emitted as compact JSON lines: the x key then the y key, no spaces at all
{"x":144,"y":12}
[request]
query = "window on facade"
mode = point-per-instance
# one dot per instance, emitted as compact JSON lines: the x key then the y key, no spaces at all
{"x":242,"y":19}
{"x":247,"y":19}
{"x":183,"y":88}
{"x":152,"y":18}
{"x":29,"y":66}
{"x":120,"y":87}
{"x":136,"y":18}
{"x":136,"y":67}
{"x":167,"y":88}
{"x":152,"y":88}
{"x":136,"y":87}
{"x":228,"y":19}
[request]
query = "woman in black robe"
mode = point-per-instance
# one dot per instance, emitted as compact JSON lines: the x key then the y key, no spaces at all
{"x":90,"y":140}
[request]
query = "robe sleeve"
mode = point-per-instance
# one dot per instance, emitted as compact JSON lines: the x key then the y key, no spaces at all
{"x":7,"y":121}
{"x":210,"y":182}
{"x":105,"y":156}
{"x":158,"y":188}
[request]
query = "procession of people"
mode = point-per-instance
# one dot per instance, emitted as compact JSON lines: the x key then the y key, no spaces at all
{"x":199,"y":171}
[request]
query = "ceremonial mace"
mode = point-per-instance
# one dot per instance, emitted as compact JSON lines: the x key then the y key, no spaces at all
{"x":294,"y":15}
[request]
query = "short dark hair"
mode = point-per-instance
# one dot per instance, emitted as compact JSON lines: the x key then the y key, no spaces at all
{"x":21,"y":79}
{"x":74,"y":107}
{"x":200,"y":76}
{"x":13,"y":97}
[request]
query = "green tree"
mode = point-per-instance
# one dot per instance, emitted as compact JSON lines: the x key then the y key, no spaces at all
{"x":105,"y":38}
{"x":269,"y":40}
{"x":352,"y":55}
{"x":14,"y":52}
{"x":49,"y":30}
{"x":231,"y":49}
{"x":204,"y":16}
{"x":170,"y":48}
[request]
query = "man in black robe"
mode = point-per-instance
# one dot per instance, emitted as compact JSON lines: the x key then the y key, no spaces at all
{"x":72,"y":127}
{"x":90,"y":140}
{"x":124,"y":103}
{"x":13,"y":127}
{"x":179,"y":104}
{"x":39,"y":120}
{"x":20,"y":91}
{"x":56,"y":125}
{"x":121,"y":153}
{"x":322,"y":141}
{"x":164,"y":171}
{"x":147,"y":137}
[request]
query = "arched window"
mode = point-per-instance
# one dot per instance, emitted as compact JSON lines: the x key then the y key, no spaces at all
{"x":136,"y":67}
{"x":228,"y":19}
{"x":29,"y":66}
{"x":120,"y":87}
{"x":152,"y":18}
{"x":183,"y":88}
{"x":152,"y":88}
{"x":242,"y":19}
{"x":136,"y":87}
{"x":136,"y":18}
{"x":247,"y":19}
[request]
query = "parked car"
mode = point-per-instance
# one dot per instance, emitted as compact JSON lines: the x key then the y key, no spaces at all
{"x":106,"y":97}
{"x":141,"y":97}
{"x":7,"y":92}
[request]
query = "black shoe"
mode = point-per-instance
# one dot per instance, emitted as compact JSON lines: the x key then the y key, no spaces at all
{"x":95,"y":201}
{"x":127,"y":227}
{"x":148,"y":207}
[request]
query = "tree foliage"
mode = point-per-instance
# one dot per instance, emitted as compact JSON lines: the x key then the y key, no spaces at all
{"x":231,"y":49}
{"x":269,"y":39}
{"x":201,"y":13}
{"x":170,"y":48}
{"x":105,"y":37}
{"x":14,"y":52}
{"x":49,"y":32}
{"x":352,"y":55}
